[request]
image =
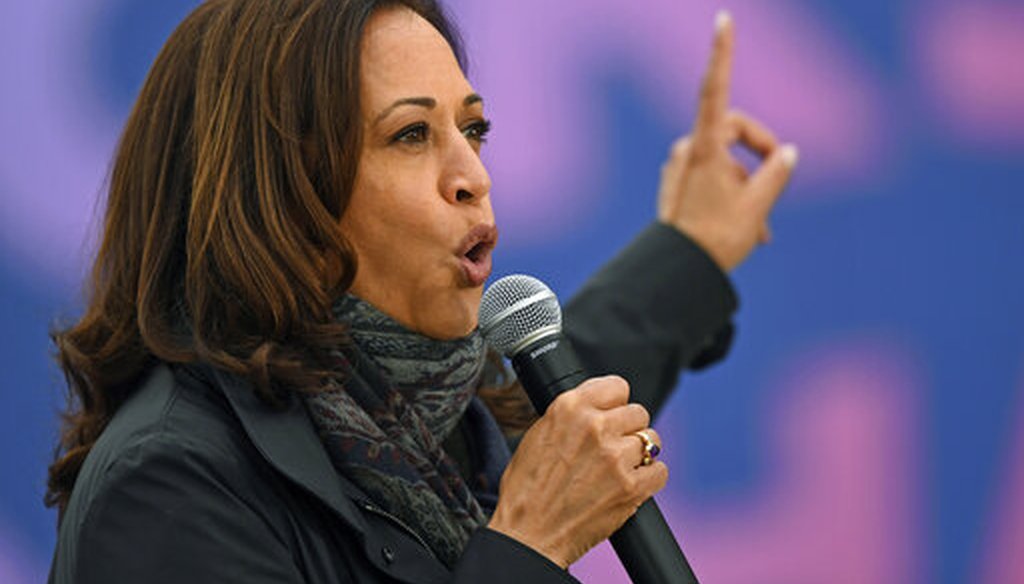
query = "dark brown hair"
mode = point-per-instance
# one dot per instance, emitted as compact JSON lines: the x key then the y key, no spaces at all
{"x":221,"y":239}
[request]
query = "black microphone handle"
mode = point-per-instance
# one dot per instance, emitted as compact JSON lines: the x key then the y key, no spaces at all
{"x":648,"y":550}
{"x":645,"y":543}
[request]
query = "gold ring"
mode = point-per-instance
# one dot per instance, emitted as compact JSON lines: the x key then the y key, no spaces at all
{"x":651,"y":448}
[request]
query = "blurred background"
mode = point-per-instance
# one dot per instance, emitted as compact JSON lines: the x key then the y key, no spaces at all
{"x":868,"y":425}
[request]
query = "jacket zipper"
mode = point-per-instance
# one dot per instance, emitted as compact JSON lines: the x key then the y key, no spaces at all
{"x":405,"y":527}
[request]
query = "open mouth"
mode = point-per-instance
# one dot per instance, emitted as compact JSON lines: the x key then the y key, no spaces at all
{"x":478,"y":251}
{"x":475,"y":254}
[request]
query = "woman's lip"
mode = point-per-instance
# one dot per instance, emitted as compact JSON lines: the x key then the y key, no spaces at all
{"x":476,"y":272}
{"x":482,"y":233}
{"x":477,"y":269}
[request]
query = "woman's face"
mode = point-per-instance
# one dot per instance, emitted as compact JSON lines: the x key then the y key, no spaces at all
{"x":420,"y":215}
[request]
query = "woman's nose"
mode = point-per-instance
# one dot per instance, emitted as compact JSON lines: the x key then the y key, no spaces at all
{"x":464,"y":178}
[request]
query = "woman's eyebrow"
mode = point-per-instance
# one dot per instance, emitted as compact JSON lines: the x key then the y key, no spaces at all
{"x":427,"y":102}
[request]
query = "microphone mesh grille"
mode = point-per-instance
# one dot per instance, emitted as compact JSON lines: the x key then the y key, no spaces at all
{"x":513,"y":308}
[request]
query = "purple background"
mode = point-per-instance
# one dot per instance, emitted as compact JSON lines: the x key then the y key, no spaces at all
{"x":869,"y":424}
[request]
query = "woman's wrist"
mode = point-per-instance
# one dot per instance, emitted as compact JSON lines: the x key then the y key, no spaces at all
{"x":498,"y":523}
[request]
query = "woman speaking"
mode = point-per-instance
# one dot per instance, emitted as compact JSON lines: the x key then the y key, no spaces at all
{"x":279,"y":376}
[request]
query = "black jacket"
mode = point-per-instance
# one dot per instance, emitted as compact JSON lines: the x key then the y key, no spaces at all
{"x":195,"y":480}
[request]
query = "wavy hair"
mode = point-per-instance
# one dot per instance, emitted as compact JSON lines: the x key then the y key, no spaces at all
{"x":221,"y":240}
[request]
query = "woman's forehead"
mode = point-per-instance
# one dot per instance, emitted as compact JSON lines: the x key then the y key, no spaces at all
{"x":404,"y":55}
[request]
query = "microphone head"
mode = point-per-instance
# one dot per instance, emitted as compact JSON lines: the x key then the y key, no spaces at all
{"x":516,"y":311}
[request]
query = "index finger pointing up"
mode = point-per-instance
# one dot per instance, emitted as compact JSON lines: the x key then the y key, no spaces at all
{"x":714,"y":95}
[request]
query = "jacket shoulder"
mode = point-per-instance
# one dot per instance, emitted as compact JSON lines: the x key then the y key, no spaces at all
{"x":169,"y":415}
{"x":172,"y":476}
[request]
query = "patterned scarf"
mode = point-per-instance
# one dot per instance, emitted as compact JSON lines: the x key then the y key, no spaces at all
{"x":403,"y":394}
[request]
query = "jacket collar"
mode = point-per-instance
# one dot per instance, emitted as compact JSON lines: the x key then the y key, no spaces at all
{"x":288,"y":441}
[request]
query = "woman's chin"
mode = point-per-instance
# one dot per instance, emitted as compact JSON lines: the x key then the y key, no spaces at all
{"x":454,"y":321}
{"x":446,"y":333}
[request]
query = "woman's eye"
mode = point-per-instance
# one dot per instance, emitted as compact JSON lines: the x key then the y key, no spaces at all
{"x":413,"y":134}
{"x":478,"y":131}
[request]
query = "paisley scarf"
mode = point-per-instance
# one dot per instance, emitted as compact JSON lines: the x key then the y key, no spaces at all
{"x":402,"y":395}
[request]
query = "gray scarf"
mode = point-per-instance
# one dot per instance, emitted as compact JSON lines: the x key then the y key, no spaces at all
{"x":403,"y":394}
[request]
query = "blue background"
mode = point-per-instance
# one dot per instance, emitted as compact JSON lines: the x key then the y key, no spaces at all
{"x":923,"y":255}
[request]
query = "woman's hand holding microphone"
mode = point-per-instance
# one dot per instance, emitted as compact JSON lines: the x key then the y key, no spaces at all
{"x":579,"y":472}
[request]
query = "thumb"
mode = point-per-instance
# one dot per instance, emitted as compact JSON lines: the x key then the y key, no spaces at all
{"x":768,"y":182}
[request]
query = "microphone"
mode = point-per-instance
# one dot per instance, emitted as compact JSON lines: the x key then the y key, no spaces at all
{"x":520,"y":317}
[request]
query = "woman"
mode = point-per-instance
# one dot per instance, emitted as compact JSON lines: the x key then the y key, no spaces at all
{"x":278,"y":377}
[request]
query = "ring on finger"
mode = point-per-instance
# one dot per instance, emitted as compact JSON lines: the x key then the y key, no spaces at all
{"x":651,"y":448}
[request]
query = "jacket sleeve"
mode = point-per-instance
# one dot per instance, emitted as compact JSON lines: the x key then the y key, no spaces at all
{"x":495,"y":558}
{"x":661,"y":305}
{"x":166,"y":515}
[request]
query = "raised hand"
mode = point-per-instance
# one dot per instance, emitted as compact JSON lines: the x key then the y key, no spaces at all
{"x":705,"y":192}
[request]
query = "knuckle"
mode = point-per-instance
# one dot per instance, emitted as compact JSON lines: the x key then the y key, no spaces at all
{"x":609,"y":455}
{"x":593,"y":425}
{"x":680,"y":148}
{"x":644,"y":415}
{"x":700,"y":154}
{"x":555,"y":407}
{"x":628,"y":482}
{"x":619,"y":384}
{"x":569,"y":399}
{"x":563,"y":405}
{"x":633,"y":486}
